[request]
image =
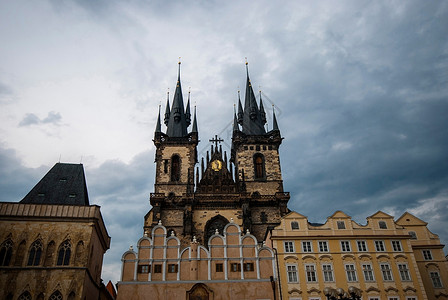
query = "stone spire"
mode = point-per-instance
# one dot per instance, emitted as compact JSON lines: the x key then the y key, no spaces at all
{"x":262,"y":112}
{"x":195,"y":124}
{"x":240,"y":110}
{"x":274,"y":122}
{"x":167,"y":108}
{"x":177,"y":122}
{"x":187,"y":111}
{"x":252,"y":118}
{"x":158,"y":125}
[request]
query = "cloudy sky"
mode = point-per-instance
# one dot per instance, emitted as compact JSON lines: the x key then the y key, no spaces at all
{"x":360,"y":89}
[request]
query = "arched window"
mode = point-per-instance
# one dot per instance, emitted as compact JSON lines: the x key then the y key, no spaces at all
{"x":56,"y":296}
{"x":217,"y":222}
{"x":64,"y":253}
{"x":175,"y":168}
{"x":382,"y":224}
{"x":259,"y":166}
{"x":25,"y":296}
{"x":71,"y":296}
{"x":6,"y":252}
{"x":35,"y":253}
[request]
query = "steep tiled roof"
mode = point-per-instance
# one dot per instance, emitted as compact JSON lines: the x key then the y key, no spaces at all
{"x":63,"y":184}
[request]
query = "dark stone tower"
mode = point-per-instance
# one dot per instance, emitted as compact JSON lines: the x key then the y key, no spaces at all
{"x":247,"y":189}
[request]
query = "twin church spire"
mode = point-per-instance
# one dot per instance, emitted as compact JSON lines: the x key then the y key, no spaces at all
{"x":177,"y":119}
{"x":252,"y":118}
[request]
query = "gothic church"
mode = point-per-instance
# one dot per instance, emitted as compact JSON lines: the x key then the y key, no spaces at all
{"x":196,"y":201}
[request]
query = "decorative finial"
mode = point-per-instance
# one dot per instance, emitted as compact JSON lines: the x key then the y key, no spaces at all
{"x":146,"y":233}
{"x":172,"y":233}
{"x":264,"y":243}
{"x":216,"y":231}
{"x":231,"y":220}
{"x":160,"y":222}
{"x":246,"y":61}
{"x":194,"y":239}
{"x":247,"y":231}
{"x":131,"y":248}
{"x":179,"y":60}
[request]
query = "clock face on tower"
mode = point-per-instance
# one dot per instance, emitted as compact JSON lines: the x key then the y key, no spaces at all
{"x":216,"y":165}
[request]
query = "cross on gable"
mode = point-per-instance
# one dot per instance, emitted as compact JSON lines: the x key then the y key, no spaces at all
{"x":216,"y":140}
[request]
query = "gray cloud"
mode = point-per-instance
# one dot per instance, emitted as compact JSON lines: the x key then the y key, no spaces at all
{"x":53,"y":118}
{"x":361,"y":86}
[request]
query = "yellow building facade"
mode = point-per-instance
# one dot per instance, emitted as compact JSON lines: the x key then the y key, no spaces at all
{"x":378,"y":258}
{"x":431,"y":260}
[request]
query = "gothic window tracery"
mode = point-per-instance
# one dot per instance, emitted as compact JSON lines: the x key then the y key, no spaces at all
{"x":35,"y":253}
{"x":6,"y":252}
{"x":25,"y":296}
{"x":64,"y":253}
{"x":56,"y":296}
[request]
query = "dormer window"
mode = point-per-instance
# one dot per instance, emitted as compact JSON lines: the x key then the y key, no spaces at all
{"x":294,"y":225}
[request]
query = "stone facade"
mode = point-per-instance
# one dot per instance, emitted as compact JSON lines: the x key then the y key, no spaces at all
{"x":55,"y":250}
{"x":232,"y":266}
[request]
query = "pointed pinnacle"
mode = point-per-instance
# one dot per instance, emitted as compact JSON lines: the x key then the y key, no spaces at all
{"x":158,"y":126}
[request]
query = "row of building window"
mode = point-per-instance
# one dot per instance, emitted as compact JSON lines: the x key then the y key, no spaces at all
{"x":323,"y":246}
{"x":350,"y":270}
{"x":174,"y":268}
{"x":369,"y":298}
{"x":259,"y":167}
{"x":341,"y":225}
{"x":35,"y":253}
{"x":54,"y":296}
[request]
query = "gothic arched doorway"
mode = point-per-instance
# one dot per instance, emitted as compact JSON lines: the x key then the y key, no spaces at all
{"x":200,"y":291}
{"x":217,"y":222}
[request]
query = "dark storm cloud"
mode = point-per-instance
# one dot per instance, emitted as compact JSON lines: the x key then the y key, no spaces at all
{"x":361,"y":90}
{"x":16,"y":180}
{"x":53,"y":118}
{"x":122,"y":190}
{"x":367,"y":127}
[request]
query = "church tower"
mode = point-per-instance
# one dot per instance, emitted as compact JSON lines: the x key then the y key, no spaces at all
{"x":198,"y":201}
{"x":176,"y":156}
